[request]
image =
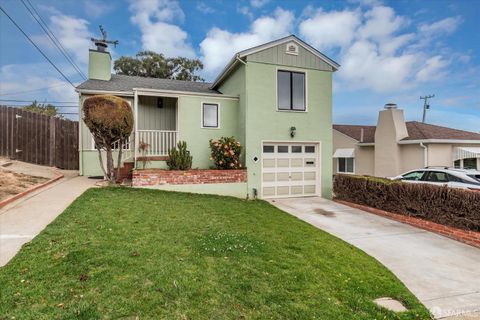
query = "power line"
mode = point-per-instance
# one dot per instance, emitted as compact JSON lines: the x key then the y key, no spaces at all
{"x":29,"y":91}
{"x":38,"y":101}
{"x":35,"y":45}
{"x":52,"y":37}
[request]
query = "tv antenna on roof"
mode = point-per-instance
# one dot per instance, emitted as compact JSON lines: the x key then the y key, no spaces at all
{"x":103,"y":43}
{"x":426,"y":106}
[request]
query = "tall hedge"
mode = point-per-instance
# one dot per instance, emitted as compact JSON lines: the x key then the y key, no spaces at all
{"x":457,"y":208}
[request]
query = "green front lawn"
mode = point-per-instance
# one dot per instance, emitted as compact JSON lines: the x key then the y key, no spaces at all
{"x":120,"y":253}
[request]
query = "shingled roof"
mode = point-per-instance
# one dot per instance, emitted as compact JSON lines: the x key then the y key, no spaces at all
{"x":124,"y":83}
{"x":416,"y":131}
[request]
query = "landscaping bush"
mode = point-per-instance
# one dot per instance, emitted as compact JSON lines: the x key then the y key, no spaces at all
{"x":456,"y":208}
{"x":225,"y":153}
{"x":179,"y":158}
{"x":109,"y":119}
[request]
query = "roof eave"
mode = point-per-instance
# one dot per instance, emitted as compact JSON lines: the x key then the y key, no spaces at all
{"x":451,"y":141}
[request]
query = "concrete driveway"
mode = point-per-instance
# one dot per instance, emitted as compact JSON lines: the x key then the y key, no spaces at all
{"x":444,"y":274}
{"x":23,"y":219}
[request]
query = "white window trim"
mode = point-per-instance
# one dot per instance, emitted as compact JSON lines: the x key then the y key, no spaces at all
{"x":306,"y":88}
{"x":338,"y":166}
{"x":461,"y":163}
{"x":218,"y":115}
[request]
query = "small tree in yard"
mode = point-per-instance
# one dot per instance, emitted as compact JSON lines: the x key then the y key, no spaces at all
{"x":225,"y":153}
{"x":109,"y":119}
{"x":179,"y":158}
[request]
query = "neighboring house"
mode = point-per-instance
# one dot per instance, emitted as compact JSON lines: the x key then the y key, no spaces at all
{"x":395,"y":146}
{"x":276,"y":99}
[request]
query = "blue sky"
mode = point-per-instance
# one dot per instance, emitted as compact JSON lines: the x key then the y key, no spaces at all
{"x":390,"y":51}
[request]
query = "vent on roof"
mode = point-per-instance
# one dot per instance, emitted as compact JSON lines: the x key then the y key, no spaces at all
{"x":292,"y":48}
{"x":390,"y":106}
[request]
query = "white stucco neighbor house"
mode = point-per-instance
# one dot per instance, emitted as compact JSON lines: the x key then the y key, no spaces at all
{"x":395,"y":146}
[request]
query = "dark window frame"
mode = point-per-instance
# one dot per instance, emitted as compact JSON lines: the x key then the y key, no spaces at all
{"x":203,"y":115}
{"x":345,"y":165}
{"x":291,"y":91}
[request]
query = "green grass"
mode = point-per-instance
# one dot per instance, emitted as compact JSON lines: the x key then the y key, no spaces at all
{"x":120,"y":253}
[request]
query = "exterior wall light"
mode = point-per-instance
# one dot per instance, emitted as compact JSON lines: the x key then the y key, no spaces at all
{"x":293,"y":131}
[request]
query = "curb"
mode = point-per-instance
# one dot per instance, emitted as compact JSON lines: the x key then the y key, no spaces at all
{"x":471,"y":238}
{"x":28,"y":191}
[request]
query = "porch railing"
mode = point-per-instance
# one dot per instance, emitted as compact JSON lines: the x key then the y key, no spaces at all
{"x":159,"y":142}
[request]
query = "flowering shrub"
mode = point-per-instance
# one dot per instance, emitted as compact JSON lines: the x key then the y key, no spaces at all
{"x":225,"y":153}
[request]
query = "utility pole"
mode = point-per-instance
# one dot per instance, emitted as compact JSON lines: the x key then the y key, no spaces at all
{"x":426,"y":106}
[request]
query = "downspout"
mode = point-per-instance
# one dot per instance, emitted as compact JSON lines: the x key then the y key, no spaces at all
{"x":425,"y":154}
{"x":80,"y":142}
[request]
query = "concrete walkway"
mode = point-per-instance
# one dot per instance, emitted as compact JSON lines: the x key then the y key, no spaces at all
{"x":23,"y":219}
{"x":444,"y":274}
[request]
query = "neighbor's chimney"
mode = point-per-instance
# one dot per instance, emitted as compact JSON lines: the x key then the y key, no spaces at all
{"x":361,"y":134}
{"x":391,"y":128}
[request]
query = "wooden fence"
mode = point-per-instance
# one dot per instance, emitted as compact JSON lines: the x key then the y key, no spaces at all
{"x":35,"y":138}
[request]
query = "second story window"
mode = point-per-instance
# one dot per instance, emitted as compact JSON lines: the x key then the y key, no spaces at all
{"x":291,"y":90}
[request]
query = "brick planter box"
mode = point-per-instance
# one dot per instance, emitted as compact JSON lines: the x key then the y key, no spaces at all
{"x":152,"y":177}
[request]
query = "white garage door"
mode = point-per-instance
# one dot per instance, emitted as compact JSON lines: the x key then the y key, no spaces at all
{"x":290,"y":170}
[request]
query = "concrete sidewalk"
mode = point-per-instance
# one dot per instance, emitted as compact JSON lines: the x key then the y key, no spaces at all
{"x":23,"y":219}
{"x":444,"y":274}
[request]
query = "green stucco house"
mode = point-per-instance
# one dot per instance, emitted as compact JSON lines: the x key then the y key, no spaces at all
{"x":276,"y":99}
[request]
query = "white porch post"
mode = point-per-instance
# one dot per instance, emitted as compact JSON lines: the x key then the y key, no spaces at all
{"x":135,"y":124}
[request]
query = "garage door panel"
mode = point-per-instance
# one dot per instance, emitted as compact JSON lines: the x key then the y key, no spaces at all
{"x":269,"y":177}
{"x":283,"y":176}
{"x":283,"y":191}
{"x":269,"y":163}
{"x":310,"y":175}
{"x":297,"y":162}
{"x":283,"y":163}
{"x":297,"y":190}
{"x":296,"y":176}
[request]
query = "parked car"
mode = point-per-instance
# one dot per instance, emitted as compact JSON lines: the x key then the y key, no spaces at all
{"x":454,"y":178}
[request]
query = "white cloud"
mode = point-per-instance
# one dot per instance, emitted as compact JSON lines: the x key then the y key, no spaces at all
{"x":153,"y":17}
{"x":204,"y":8}
{"x":380,"y":23}
{"x":328,"y":29}
{"x":441,"y":27}
{"x":245,"y":10}
{"x":374,"y":50}
{"x":220,"y":45}
{"x":363,"y":66}
{"x":433,"y":69}
{"x":96,"y":8}
{"x":258,"y":3}
{"x":30,"y":76}
{"x":73,"y":34}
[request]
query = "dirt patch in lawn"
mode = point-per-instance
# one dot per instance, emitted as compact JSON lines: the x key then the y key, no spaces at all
{"x":12,"y":183}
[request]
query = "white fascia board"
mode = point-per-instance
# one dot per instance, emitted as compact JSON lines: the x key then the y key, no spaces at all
{"x":116,"y":93}
{"x":366,"y":144}
{"x":176,"y":94}
{"x":451,"y":141}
